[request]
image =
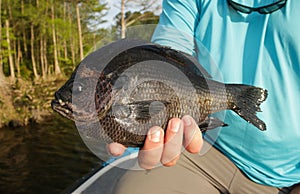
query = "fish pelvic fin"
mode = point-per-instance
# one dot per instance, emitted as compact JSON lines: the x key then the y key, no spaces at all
{"x":245,"y":101}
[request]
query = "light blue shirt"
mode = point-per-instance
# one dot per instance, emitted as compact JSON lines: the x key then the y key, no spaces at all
{"x":255,"y":49}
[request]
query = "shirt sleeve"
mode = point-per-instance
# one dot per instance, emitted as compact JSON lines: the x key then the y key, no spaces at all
{"x":177,"y":25}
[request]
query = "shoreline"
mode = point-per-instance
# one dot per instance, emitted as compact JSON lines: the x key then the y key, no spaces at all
{"x":25,"y":102}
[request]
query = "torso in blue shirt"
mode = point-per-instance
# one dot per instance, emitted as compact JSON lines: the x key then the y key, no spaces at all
{"x":255,"y":49}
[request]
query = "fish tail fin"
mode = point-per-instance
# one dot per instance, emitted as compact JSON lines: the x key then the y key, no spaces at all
{"x":245,"y":101}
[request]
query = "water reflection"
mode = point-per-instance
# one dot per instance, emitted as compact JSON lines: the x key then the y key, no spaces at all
{"x":43,"y":158}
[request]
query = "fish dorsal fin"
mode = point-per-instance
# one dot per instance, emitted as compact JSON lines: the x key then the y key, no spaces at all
{"x":199,"y":66}
{"x":188,"y":61}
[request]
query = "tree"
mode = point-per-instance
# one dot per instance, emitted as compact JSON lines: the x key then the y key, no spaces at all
{"x":1,"y":60}
{"x":79,"y":31}
{"x":10,"y":58}
{"x":145,"y":11}
{"x":55,"y":52}
{"x":142,"y":25}
{"x":46,"y":37}
{"x":123,"y":22}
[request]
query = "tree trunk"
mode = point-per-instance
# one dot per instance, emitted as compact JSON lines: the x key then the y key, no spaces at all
{"x":23,"y":30}
{"x":45,"y":56}
{"x":72,"y":51}
{"x":44,"y":39}
{"x":57,"y":70}
{"x":95,"y":41}
{"x":65,"y":41}
{"x":10,"y":57}
{"x":42,"y":57}
{"x":79,"y":32}
{"x":33,"y":61}
{"x":123,"y":22}
{"x":71,"y":39}
{"x":19,"y":58}
{"x":1,"y":58}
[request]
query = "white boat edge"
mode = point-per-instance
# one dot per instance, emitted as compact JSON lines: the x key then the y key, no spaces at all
{"x":90,"y":180}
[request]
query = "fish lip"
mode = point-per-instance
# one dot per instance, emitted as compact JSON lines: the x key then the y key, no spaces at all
{"x":62,"y":108}
{"x":69,"y":111}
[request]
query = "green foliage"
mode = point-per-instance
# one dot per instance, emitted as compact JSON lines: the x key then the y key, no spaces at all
{"x":26,"y":73}
{"x":33,"y":22}
{"x":138,"y":24}
{"x":46,"y":17}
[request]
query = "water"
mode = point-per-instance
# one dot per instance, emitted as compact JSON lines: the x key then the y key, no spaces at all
{"x":44,"y":158}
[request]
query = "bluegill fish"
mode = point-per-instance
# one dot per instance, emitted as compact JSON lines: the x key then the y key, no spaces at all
{"x":119,"y":91}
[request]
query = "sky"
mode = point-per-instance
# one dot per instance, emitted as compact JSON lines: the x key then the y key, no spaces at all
{"x":113,"y":11}
{"x":114,"y":6}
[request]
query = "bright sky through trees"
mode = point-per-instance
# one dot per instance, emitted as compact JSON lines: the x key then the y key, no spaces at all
{"x":114,"y":9}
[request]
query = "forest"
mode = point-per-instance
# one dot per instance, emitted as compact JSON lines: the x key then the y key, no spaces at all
{"x":42,"y":41}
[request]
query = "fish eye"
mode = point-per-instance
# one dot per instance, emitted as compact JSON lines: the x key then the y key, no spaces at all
{"x":78,"y":88}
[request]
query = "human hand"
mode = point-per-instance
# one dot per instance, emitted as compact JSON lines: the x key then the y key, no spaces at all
{"x":166,"y":147}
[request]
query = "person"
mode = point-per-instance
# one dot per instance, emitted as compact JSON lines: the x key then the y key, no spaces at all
{"x":251,"y":42}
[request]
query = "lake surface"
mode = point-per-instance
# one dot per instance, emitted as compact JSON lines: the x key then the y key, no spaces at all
{"x":43,"y":158}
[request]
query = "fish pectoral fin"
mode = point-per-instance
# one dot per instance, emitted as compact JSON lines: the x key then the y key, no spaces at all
{"x":148,"y":108}
{"x":211,"y":123}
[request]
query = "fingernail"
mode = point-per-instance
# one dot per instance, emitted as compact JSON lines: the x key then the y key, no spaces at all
{"x":187,"y":120}
{"x":175,"y":126}
{"x":154,"y":135}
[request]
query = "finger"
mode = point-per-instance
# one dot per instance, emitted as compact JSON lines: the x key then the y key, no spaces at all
{"x":116,"y":149}
{"x":173,"y":142}
{"x":193,"y":140}
{"x":150,"y":154}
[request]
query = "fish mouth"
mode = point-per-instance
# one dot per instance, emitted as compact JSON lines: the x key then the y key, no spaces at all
{"x":71,"y":111}
{"x":63,"y":108}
